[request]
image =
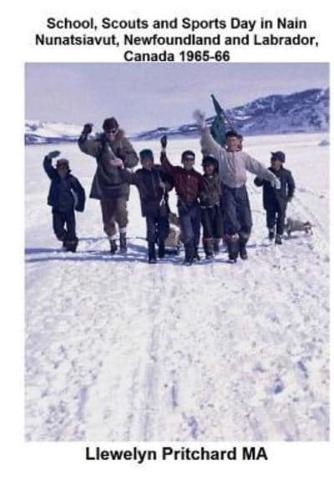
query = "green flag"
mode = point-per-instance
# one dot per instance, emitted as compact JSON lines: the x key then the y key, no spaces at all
{"x":218,"y":128}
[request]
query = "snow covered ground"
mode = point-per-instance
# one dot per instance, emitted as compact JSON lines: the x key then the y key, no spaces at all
{"x":120,"y":350}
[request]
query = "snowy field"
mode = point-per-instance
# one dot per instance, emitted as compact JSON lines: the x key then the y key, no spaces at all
{"x":119,"y":350}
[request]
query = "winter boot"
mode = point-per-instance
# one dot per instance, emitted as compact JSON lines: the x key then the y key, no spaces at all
{"x":71,"y":246}
{"x":122,"y":243}
{"x":152,"y":258}
{"x":196,"y":254}
{"x":113,"y":246}
{"x":189,"y":255}
{"x":208,"y":248}
{"x":216,"y":246}
{"x":161,"y":250}
{"x":242,"y":249}
{"x":271,"y":234}
{"x":278,"y":239}
{"x":233,"y":247}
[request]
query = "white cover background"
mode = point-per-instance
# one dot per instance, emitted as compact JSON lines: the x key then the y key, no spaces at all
{"x":33,"y":470}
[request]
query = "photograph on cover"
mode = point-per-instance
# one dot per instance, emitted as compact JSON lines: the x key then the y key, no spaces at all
{"x":177,"y":252}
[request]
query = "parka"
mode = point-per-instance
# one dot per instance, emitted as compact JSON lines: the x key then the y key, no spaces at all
{"x":107,"y":182}
{"x":65,"y":194}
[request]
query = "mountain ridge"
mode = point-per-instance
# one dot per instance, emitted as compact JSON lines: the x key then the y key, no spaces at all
{"x":299,"y":112}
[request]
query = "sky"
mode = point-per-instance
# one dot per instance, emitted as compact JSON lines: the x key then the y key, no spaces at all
{"x":144,"y":96}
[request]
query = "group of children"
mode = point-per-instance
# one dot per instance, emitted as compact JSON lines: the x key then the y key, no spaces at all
{"x":216,"y":199}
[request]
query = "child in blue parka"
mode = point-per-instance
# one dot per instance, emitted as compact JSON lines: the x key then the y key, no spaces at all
{"x":66,"y":195}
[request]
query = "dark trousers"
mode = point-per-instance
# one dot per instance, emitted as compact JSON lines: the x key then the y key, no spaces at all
{"x":157,"y":228}
{"x":190,"y":223}
{"x":212,"y":222}
{"x":64,"y":225}
{"x":276,"y":217}
{"x":237,"y":213}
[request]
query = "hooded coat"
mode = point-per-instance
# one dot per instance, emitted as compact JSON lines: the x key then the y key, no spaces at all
{"x":107,"y":182}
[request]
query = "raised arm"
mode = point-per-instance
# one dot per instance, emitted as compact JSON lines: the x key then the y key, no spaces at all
{"x":208,"y":144}
{"x":166,"y":165}
{"x":88,"y":145}
{"x":50,"y":171}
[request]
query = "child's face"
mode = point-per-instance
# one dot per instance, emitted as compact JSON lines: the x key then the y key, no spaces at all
{"x":188,"y":162}
{"x":276,"y":164}
{"x":233,"y":144}
{"x":209,"y":169}
{"x":62,"y":170}
{"x":147,"y":162}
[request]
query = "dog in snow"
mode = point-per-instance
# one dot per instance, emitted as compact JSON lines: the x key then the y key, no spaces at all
{"x":295,"y":225}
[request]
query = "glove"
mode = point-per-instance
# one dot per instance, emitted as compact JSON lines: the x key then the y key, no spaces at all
{"x":53,"y":154}
{"x":276,"y":183}
{"x":163,"y":141}
{"x":199,"y":118}
{"x":88,"y":127}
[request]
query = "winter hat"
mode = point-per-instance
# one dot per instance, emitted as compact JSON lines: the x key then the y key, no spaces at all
{"x":232,"y":133}
{"x":278,"y":155}
{"x":210,"y":160}
{"x":146,"y":153}
{"x":63,"y":161}
{"x":186,"y":154}
{"x":110,"y":124}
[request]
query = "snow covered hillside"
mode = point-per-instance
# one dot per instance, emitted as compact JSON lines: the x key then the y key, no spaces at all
{"x":118,"y":350}
{"x":306,"y":111}
{"x":38,"y":132}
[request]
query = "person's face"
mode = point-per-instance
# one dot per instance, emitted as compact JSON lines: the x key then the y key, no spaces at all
{"x":233,"y":144}
{"x":188,"y":162}
{"x":111,"y":134}
{"x":209,"y":169}
{"x":62,"y":169}
{"x":147,"y":162}
{"x":276,"y":164}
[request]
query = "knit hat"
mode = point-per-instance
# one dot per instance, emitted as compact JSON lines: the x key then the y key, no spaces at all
{"x":210,"y":160}
{"x":146,"y":153}
{"x":62,"y":161}
{"x":232,"y":133}
{"x":278,"y":155}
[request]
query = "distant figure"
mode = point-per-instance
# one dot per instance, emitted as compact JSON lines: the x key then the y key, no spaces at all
{"x":111,"y":150}
{"x":233,"y":166}
{"x":65,"y":195}
{"x":275,"y":200}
